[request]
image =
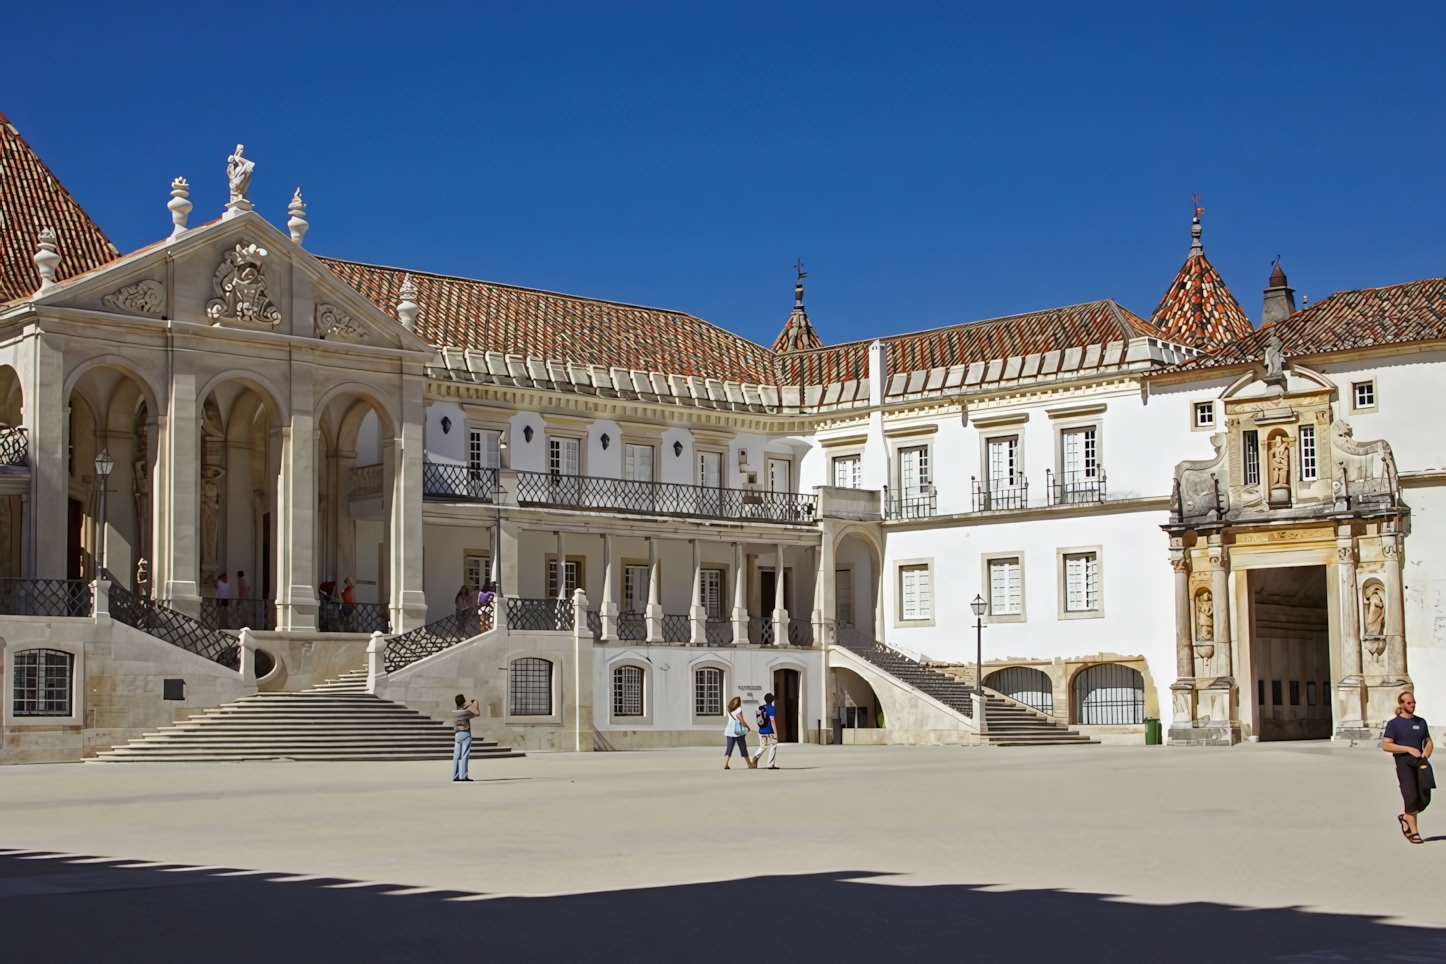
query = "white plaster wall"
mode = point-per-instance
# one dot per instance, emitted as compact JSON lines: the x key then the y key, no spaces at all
{"x":1404,"y":384}
{"x":523,"y":455}
{"x":448,"y":448}
{"x":369,"y":440}
{"x":1425,"y":591}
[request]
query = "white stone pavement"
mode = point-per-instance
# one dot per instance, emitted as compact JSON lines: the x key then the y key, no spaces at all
{"x":1309,"y":825}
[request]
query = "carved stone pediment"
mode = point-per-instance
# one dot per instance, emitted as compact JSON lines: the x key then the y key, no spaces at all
{"x":142,"y":298}
{"x":240,"y":283}
{"x":333,"y":324}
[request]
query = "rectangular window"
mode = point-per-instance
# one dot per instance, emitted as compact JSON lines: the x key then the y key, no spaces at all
{"x":778,"y":472}
{"x":914,"y":470}
{"x":1295,"y":692}
{"x":710,"y":592}
{"x":1005,"y":468}
{"x":1260,"y":691}
{"x":1276,"y":693}
{"x":531,"y":687}
{"x":1081,"y":582}
{"x":916,"y":592}
{"x":638,"y":463}
{"x":476,"y":570}
{"x":43,"y":682}
{"x":1307,"y":454}
{"x":710,"y":469}
{"x":1005,"y":588}
{"x":562,"y":456}
{"x":482,"y":450}
{"x":1310,"y":694}
{"x":708,"y":692}
{"x":1250,"y":442}
{"x":848,"y":471}
{"x":1363,"y":394}
{"x":628,"y":691}
{"x":843,"y":595}
{"x":635,"y":588}
{"x":571,"y":570}
{"x":1080,"y":455}
{"x":1204,"y":414}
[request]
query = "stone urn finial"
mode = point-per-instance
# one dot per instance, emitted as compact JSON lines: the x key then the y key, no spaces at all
{"x":297,"y":225}
{"x":180,"y":205}
{"x":407,"y":305}
{"x":46,"y":259}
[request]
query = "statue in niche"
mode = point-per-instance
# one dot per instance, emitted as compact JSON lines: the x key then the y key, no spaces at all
{"x":1279,"y":462}
{"x":210,"y":512}
{"x":238,"y":172}
{"x":1205,"y":616}
{"x":1375,"y":610}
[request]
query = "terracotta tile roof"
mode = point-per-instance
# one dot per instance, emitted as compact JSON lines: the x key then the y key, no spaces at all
{"x":486,"y":316}
{"x":1399,"y":314}
{"x":32,"y":198}
{"x":1094,"y":323}
{"x":1198,"y":310}
{"x":797,"y":333}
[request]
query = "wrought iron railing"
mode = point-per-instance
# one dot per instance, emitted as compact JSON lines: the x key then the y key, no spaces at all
{"x":910,"y":668}
{"x":632,"y":627}
{"x":760,"y":630}
{"x":366,"y":480}
{"x":14,"y":446}
{"x":45,"y":597}
{"x":800,"y":632}
{"x":1075,"y":488}
{"x":457,"y":627}
{"x":718,"y":632}
{"x":920,"y":504}
{"x":178,"y":629}
{"x":677,"y":629}
{"x":993,"y":496}
{"x":237,"y":613}
{"x":463,"y":483}
{"x":594,"y":623}
{"x":539,"y":615}
{"x":663,"y":498}
{"x":343,"y":617}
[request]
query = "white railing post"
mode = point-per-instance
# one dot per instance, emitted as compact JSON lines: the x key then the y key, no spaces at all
{"x":581,"y":636}
{"x":376,"y":661}
{"x":100,"y":605}
{"x":247,"y":652}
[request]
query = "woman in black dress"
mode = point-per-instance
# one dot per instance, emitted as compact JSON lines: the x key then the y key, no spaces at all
{"x":1409,"y":740}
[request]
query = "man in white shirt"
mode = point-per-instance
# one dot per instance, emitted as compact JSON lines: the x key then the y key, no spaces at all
{"x":223,"y":601}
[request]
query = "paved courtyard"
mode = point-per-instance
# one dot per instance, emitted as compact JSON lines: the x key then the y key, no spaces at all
{"x":864,"y":853}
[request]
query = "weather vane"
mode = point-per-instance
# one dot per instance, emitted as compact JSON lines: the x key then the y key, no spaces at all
{"x":799,"y":268}
{"x":1195,"y":200}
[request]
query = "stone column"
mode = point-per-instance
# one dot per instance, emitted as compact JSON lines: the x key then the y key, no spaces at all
{"x":697,"y":614}
{"x":653,"y":615}
{"x":45,"y":405}
{"x":581,"y":675}
{"x":1350,"y":705}
{"x":1221,"y":663}
{"x":740,"y":597}
{"x":296,"y":599}
{"x":780,"y":615}
{"x":409,"y":599}
{"x":508,"y":541}
{"x":1395,"y":609}
{"x":561,"y":566}
{"x":825,"y":613}
{"x":177,"y":560}
{"x":1182,"y":691}
{"x":609,"y":608}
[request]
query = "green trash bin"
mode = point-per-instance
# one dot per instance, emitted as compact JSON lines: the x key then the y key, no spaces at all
{"x":1152,"y":732}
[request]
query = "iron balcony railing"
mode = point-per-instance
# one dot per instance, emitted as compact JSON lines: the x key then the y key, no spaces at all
{"x":800,"y":632}
{"x":458,"y":483}
{"x":343,"y":617}
{"x":677,"y":629}
{"x":632,"y":627}
{"x":718,"y":632}
{"x":178,"y":629}
{"x":920,"y":503}
{"x":760,"y":630}
{"x":539,"y":614}
{"x":663,"y":498}
{"x":993,"y":496}
{"x":45,"y":597}
{"x":1075,"y":488}
{"x":366,"y":480}
{"x":14,"y":446}
{"x":236,"y":614}
{"x":444,"y":633}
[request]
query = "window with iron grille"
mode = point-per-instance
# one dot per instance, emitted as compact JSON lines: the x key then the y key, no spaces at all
{"x":1081,"y":582}
{"x":1250,"y":441}
{"x":43,"y":682}
{"x":1364,"y":394}
{"x":628,"y":691}
{"x":848,"y":472}
{"x":1204,"y":414}
{"x":531,"y":687}
{"x":1006,"y":596}
{"x":1108,"y":694}
{"x":916,"y":593}
{"x":1307,"y":453}
{"x":708,"y":692}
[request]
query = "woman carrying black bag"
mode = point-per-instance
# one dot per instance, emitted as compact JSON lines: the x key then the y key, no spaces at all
{"x":1409,"y":739}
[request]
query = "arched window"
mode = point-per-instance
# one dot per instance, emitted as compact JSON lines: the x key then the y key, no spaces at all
{"x":628,"y":691}
{"x":43,"y":682}
{"x":708,"y":692}
{"x":1108,"y":694}
{"x":531,"y":687}
{"x":1026,"y":684}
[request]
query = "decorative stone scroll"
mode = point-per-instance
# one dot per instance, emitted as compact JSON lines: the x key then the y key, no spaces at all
{"x":142,"y":298}
{"x":240,"y":283}
{"x":333,"y":323}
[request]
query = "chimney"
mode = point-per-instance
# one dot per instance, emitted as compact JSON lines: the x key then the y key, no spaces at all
{"x":1279,"y":298}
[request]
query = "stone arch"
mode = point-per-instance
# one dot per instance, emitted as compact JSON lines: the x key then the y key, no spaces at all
{"x":1107,"y":694}
{"x":257,"y":383}
{"x":857,"y":705}
{"x":636,"y":708}
{"x":1026,"y":684}
{"x":154,"y":396}
{"x":854,"y":546}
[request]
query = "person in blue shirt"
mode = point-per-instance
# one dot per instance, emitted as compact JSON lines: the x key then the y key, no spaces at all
{"x":767,"y":734}
{"x":1408,"y":738}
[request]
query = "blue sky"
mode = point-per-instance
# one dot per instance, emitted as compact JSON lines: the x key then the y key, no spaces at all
{"x":931,"y":163}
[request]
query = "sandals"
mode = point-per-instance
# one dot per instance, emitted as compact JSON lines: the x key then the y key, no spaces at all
{"x":1407,"y":832}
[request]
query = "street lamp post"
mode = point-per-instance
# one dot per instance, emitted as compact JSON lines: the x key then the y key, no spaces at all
{"x":103,"y":464}
{"x":978,"y":606}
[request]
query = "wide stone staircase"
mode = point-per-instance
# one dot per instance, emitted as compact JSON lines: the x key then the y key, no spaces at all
{"x":336,"y":720}
{"x":1010,"y":723}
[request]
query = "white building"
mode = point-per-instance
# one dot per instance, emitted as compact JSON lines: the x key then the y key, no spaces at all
{"x":675,"y":515}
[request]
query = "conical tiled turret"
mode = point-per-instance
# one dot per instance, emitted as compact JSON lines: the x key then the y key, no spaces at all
{"x":797,"y":333}
{"x":1198,"y":310}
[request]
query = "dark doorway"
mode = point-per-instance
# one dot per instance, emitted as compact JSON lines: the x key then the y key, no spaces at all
{"x":74,"y":520}
{"x":1290,"y":653}
{"x":768,"y":588}
{"x":267,"y":564}
{"x":785,"y":701}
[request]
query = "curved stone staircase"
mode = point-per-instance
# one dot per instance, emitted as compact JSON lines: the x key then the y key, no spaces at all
{"x":336,"y":720}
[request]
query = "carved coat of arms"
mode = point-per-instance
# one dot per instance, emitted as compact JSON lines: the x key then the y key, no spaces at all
{"x":240,"y":284}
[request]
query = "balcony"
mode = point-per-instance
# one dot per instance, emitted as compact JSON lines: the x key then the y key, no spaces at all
{"x":366,"y":481}
{"x":920,"y":503}
{"x":457,"y":483}
{"x":1075,"y":488}
{"x":663,"y":498}
{"x":14,"y":447}
{"x":992,"y":496}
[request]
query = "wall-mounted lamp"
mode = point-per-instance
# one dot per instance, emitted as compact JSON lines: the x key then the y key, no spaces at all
{"x":678,"y":450}
{"x":606,"y":441}
{"x":527,"y":434}
{"x":446,"y":425}
{"x":742,"y":457}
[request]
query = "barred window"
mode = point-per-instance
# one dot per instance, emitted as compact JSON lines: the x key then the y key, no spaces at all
{"x":1251,"y":442}
{"x":708,"y":692}
{"x":628,"y":691}
{"x":531,"y":687}
{"x":1307,"y":453}
{"x":43,"y":679}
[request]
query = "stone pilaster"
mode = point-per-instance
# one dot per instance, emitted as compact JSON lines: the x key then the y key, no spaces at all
{"x":608,"y":610}
{"x":653,"y":615}
{"x":740,"y":596}
{"x":1350,"y":698}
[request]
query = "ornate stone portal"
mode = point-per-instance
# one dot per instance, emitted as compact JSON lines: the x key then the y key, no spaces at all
{"x":1290,"y":500}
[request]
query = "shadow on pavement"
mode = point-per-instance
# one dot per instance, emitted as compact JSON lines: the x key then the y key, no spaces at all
{"x":52,"y":910}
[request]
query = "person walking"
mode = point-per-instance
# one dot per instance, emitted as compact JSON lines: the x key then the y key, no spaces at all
{"x":462,"y":746}
{"x":1408,"y":739}
{"x":736,"y":730}
{"x":223,"y":601}
{"x":767,"y":734}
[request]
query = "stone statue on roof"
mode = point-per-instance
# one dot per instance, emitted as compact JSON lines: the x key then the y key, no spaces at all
{"x":1274,"y":357}
{"x":238,"y":172}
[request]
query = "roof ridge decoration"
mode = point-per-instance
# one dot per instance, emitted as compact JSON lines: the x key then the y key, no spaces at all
{"x":31,"y":199}
{"x":798,"y":333}
{"x":1198,"y":309}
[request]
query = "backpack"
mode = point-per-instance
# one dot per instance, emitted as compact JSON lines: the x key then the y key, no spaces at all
{"x":763,"y":717}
